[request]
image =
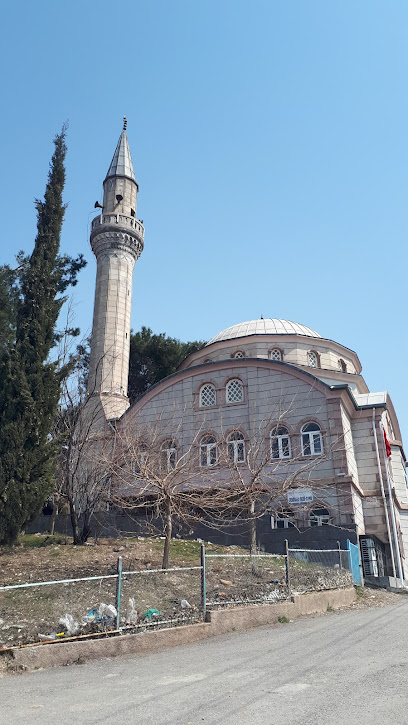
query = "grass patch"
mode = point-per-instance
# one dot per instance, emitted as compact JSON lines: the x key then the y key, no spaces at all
{"x":283,"y":620}
{"x":36,"y":541}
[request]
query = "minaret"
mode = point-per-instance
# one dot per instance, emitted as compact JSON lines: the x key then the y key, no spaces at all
{"x":117,"y":240}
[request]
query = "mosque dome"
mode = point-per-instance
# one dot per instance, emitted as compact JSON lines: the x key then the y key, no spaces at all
{"x":267,"y":326}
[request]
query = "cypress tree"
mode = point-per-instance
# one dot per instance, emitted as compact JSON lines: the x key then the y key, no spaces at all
{"x":29,"y":381}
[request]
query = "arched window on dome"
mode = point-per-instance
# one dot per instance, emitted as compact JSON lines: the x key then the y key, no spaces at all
{"x":312,"y":441}
{"x":207,"y":396}
{"x":342,"y":366}
{"x":275,"y":354}
{"x":313,"y":359}
{"x":238,"y":354}
{"x":168,"y":457}
{"x":208,"y":451}
{"x":236,"y":447}
{"x":318,"y":516}
{"x":234,"y":391}
{"x":280,"y":442}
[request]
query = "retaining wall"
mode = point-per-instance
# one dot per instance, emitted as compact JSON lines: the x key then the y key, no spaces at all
{"x":219,"y":622}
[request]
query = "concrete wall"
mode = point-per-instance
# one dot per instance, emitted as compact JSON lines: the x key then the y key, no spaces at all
{"x":220,"y":622}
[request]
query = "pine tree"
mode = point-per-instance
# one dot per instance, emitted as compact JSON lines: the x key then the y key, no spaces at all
{"x":29,"y":381}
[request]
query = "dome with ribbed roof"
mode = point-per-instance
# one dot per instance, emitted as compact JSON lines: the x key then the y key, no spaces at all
{"x":267,"y":326}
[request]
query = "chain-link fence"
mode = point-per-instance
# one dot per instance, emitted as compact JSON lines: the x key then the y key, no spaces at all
{"x":319,"y":569}
{"x":93,"y":606}
{"x":245,"y":579}
{"x":147,"y":599}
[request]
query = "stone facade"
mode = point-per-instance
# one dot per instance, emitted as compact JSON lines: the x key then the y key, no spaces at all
{"x":117,"y":240}
{"x":285,"y":375}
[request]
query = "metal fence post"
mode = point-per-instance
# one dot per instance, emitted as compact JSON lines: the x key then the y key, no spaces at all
{"x":118,"y":590}
{"x":287,"y":565}
{"x":203,"y":582}
{"x":339,"y":548}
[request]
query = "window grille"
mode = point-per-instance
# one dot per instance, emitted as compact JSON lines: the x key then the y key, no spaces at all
{"x":312,"y":441}
{"x":208,"y":451}
{"x":372,"y":558}
{"x":207,"y":395}
{"x":280,"y":442}
{"x":312,"y":359}
{"x":275,"y":354}
{"x":236,"y":447}
{"x":234,"y":391}
{"x":238,"y":354}
{"x":342,"y":366}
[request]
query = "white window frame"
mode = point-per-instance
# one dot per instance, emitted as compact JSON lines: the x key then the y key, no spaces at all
{"x":227,"y":387}
{"x":319,"y":519}
{"x":280,"y":440}
{"x":208,"y":452}
{"x":312,"y":359}
{"x":288,"y":521}
{"x":238,"y":355}
{"x":236,"y":447}
{"x":143,"y":454}
{"x":200,"y":401}
{"x":312,"y":440}
{"x":169,"y":453}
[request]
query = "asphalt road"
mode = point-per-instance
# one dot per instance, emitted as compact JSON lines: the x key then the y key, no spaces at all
{"x":335,"y":669}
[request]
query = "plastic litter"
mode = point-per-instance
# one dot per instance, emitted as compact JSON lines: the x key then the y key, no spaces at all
{"x":131,"y":614}
{"x":107,"y":612}
{"x":92,"y":616}
{"x":184,"y":604}
{"x":53,"y":635}
{"x":150,"y":614}
{"x":69,"y":623}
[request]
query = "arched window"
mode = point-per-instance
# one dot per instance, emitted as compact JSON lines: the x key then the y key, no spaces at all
{"x":280,"y":442}
{"x":319,"y":516}
{"x":342,"y":366}
{"x":140,"y":454}
{"x":312,"y":441}
{"x":275,"y":354}
{"x":234,"y":392}
{"x":284,"y":519}
{"x":208,"y":451}
{"x":238,"y":354}
{"x":236,"y":447}
{"x":168,"y":457}
{"x":313,"y":359}
{"x":207,"y":395}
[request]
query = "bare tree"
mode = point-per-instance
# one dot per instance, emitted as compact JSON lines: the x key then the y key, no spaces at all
{"x":86,"y":448}
{"x":148,"y":468}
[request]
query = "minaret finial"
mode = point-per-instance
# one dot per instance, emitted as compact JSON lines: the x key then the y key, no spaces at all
{"x":124,"y":123}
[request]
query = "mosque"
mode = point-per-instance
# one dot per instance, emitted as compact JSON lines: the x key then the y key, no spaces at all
{"x":301,"y":397}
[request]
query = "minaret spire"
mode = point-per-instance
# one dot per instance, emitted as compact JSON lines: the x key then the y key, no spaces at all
{"x":117,"y":240}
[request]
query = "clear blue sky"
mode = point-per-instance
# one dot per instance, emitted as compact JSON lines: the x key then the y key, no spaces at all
{"x":269,"y":140}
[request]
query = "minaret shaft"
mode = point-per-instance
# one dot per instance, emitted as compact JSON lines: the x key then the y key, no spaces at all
{"x":117,"y":240}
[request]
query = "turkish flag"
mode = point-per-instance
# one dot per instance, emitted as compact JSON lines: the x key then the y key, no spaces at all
{"x":387,"y":445}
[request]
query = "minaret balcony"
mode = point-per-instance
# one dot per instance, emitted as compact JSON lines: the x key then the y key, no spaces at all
{"x":121,"y":220}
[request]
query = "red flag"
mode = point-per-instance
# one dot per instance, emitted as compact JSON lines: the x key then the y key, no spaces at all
{"x":387,"y":445}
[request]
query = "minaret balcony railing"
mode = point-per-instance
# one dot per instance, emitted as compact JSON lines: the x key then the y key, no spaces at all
{"x":121,"y":220}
